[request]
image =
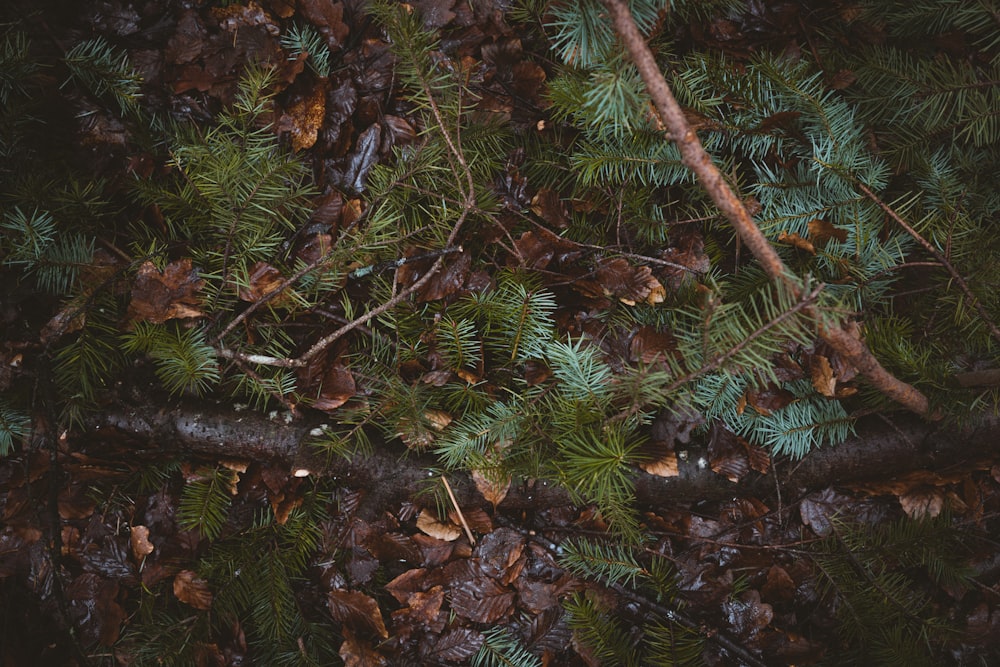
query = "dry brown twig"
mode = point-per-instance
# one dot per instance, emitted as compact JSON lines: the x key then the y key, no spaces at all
{"x":841,"y":338}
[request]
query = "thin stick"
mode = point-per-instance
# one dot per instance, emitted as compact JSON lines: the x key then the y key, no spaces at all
{"x":845,"y":342}
{"x":458,"y":510}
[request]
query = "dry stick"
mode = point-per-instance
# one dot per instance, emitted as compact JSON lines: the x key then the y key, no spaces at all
{"x":693,"y":155}
{"x":458,"y":510}
{"x":994,"y":330}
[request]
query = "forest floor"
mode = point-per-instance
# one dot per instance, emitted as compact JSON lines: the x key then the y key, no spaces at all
{"x":751,"y":559}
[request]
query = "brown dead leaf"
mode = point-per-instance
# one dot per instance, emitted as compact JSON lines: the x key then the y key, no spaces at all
{"x":303,"y":117}
{"x":139,"y":540}
{"x":923,"y":502}
{"x":779,"y":587}
{"x":649,"y":345}
{"x":264,"y":279}
{"x":457,"y":645}
{"x":769,"y":398}
{"x":547,"y":205}
{"x":357,"y":652}
{"x":447,"y":281}
{"x":492,"y":489}
{"x":476,"y":596}
{"x":158,"y":297}
{"x":821,"y":231}
{"x":337,"y":388}
{"x":823,"y":379}
{"x":665,"y":466}
{"x":192,"y":590}
{"x":539,"y":247}
{"x":357,"y":611}
{"x":233,"y":17}
{"x":797,"y":241}
{"x":328,"y":18}
{"x":430,"y":525}
{"x":630,"y":284}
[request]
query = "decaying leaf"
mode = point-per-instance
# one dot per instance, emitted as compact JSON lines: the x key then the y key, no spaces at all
{"x":821,"y":231}
{"x":430,"y":525}
{"x":457,"y":644}
{"x":139,"y":541}
{"x":547,"y":205}
{"x":303,"y":117}
{"x":356,"y":652}
{"x":823,"y":379}
{"x":158,"y":297}
{"x":924,"y":502}
{"x":797,"y":241}
{"x":477,"y":597}
{"x":264,"y":279}
{"x":630,"y":284}
{"x":192,"y":590}
{"x":337,"y":388}
{"x":649,"y":345}
{"x":492,"y":489}
{"x":357,"y":611}
{"x":538,"y":248}
{"x":665,"y":466}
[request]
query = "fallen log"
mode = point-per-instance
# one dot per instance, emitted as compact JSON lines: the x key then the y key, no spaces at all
{"x":391,"y":474}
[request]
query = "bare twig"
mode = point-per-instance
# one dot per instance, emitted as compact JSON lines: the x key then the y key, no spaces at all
{"x":693,"y":155}
{"x":939,"y":256}
{"x":458,"y":510}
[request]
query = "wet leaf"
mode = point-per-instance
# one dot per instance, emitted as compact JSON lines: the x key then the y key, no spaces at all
{"x":192,"y":590}
{"x":357,"y":611}
{"x":449,"y":279}
{"x":779,"y":586}
{"x":769,"y":398}
{"x":158,"y":297}
{"x":422,"y":611}
{"x":481,"y":599}
{"x":818,"y":509}
{"x":357,"y":652}
{"x":458,"y":644}
{"x":328,"y":18}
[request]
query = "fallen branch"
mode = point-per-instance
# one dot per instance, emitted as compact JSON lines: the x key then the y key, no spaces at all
{"x":391,"y":474}
{"x":693,"y":155}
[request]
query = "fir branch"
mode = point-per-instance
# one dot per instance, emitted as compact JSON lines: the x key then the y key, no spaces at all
{"x":942,"y":260}
{"x":695,"y":157}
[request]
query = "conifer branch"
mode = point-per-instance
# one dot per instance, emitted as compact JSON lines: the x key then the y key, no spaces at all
{"x":694,"y":156}
{"x":939,"y":256}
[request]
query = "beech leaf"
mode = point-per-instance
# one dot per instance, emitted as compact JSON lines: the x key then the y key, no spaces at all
{"x":192,"y":590}
{"x":357,"y":611}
